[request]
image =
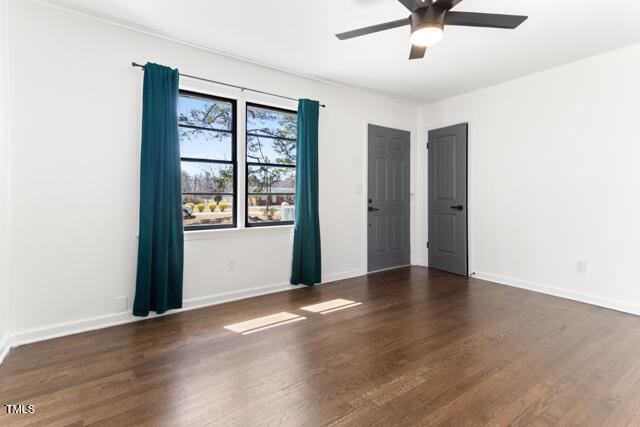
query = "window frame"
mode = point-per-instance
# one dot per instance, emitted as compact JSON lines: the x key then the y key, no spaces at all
{"x":233,"y":162}
{"x":248,"y":164}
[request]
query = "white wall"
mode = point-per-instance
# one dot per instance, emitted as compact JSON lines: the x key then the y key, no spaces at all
{"x":554,"y":178}
{"x":5,"y":188}
{"x":75,"y":122}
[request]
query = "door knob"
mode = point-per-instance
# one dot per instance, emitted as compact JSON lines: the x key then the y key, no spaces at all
{"x":371,"y":209}
{"x":457,"y":207}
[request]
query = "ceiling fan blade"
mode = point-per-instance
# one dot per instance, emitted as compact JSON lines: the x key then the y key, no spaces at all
{"x":412,"y":5}
{"x":417,"y":52}
{"x":373,"y":29}
{"x":446,"y":4}
{"x":487,"y":20}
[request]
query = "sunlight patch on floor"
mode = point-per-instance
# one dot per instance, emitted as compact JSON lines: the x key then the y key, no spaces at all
{"x":330,"y":306}
{"x":340,"y":308}
{"x":264,"y":322}
{"x":274,"y":325}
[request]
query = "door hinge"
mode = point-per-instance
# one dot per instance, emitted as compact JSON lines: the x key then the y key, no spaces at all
{"x":427,"y":145}
{"x":427,"y":244}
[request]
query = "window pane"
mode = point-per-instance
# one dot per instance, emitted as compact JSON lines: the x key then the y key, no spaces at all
{"x":205,"y":144}
{"x":271,"y":179}
{"x":262,"y":121}
{"x":269,"y":150}
{"x":273,"y":208}
{"x":206,"y":178}
{"x":209,"y":209}
{"x":205,"y":113}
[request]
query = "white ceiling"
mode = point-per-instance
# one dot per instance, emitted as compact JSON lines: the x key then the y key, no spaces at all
{"x":298,"y":35}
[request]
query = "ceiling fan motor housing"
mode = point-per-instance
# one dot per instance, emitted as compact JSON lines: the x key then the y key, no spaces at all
{"x":426,"y":17}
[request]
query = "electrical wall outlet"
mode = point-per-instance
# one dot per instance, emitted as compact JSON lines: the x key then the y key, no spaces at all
{"x":581,"y":267}
{"x":231,"y":266}
{"x":122,"y":304}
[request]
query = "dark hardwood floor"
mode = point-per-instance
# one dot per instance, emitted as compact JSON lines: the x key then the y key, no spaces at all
{"x":424,"y":347}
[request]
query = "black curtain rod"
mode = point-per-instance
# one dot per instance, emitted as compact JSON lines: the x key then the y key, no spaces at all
{"x":135,"y":64}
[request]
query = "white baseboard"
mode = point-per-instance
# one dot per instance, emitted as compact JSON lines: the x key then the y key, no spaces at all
{"x":4,"y":347}
{"x":107,"y":320}
{"x":390,"y":268}
{"x":334,"y":277}
{"x":562,"y":293}
{"x":419,"y":261}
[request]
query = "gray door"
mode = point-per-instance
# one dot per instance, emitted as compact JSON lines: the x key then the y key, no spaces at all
{"x":448,"y":199}
{"x":388,"y":198}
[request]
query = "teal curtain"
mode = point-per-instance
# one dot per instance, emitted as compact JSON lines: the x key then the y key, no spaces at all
{"x":306,"y":265}
{"x":160,"y":241}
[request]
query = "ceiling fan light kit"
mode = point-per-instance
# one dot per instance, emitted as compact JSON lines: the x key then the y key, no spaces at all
{"x":428,"y":19}
{"x":427,"y":35}
{"x":427,"y":26}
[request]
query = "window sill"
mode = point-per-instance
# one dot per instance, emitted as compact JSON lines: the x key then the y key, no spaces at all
{"x":225,"y":233}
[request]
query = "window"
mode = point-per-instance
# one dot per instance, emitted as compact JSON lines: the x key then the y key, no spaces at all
{"x":208,"y":153}
{"x":207,"y":129}
{"x":271,"y":137}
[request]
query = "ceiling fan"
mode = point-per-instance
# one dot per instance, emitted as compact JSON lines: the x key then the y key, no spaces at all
{"x":428,"y":19}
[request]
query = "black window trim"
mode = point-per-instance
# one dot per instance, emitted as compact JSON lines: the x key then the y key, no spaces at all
{"x":247,"y":163}
{"x":233,"y":161}
{"x":273,"y":165}
{"x":204,"y":127}
{"x":271,"y":137}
